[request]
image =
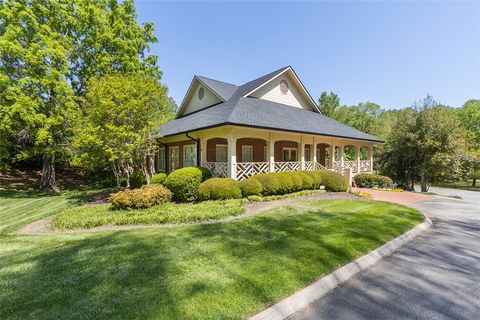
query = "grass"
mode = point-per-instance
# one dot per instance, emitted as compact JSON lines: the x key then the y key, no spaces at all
{"x":463,"y":185}
{"x":102,"y":214}
{"x":214,"y":271}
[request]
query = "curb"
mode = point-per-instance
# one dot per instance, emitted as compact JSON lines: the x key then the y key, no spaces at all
{"x":320,"y":288}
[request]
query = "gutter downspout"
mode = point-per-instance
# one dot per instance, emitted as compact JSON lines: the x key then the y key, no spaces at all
{"x":198,"y":148}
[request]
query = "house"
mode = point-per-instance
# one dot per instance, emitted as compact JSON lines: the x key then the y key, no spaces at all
{"x":269,"y":124}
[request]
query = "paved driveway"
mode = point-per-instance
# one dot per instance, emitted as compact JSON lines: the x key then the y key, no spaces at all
{"x":437,"y":276}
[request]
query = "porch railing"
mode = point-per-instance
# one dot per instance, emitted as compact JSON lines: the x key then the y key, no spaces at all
{"x":352,"y":164}
{"x":365,"y":166}
{"x":248,"y":169}
{"x":287,"y":166}
{"x":218,"y":169}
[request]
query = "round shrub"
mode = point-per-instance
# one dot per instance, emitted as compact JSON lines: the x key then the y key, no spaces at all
{"x":317,"y":177}
{"x":250,"y":187}
{"x":270,"y":183}
{"x":144,"y":197}
{"x":184,"y":183}
{"x":333,"y":181}
{"x":137,"y":179}
{"x":370,"y":180}
{"x":206,"y":173}
{"x":308,"y":182}
{"x":158,"y":178}
{"x":297,"y":181}
{"x":219,"y":189}
{"x":286,"y":183}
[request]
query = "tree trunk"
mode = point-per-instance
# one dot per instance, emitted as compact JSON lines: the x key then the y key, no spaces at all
{"x":423,"y":183}
{"x":474,"y":182}
{"x":47,"y":182}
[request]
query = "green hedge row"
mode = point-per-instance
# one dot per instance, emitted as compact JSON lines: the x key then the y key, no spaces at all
{"x":144,"y":197}
{"x":370,"y":180}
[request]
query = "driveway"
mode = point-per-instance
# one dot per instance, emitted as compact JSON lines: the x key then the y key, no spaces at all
{"x":436,"y":276}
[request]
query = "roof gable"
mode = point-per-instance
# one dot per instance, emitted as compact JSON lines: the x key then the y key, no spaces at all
{"x":194,"y":100}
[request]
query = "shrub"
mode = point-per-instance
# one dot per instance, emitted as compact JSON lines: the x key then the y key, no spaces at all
{"x":286,"y":184}
{"x":144,"y":197}
{"x":137,"y":179}
{"x":250,"y":187}
{"x":206,"y":173}
{"x":317,"y":177}
{"x":158,"y":178}
{"x":297,"y":182}
{"x":370,"y":180}
{"x":184,"y":183}
{"x":219,"y":189}
{"x":333,"y":181}
{"x":270,"y":183}
{"x":308,"y":182}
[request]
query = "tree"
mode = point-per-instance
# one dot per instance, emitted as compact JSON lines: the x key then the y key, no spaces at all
{"x":328,"y":103}
{"x":361,"y":117}
{"x":35,"y":96}
{"x":121,"y":116}
{"x":469,"y":114}
{"x":428,"y":143}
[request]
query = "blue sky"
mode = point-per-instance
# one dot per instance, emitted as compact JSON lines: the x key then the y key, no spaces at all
{"x":391,"y":53}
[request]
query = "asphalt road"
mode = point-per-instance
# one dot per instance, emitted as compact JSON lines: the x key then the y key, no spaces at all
{"x":436,"y":276}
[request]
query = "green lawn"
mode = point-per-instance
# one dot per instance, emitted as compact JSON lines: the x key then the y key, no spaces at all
{"x":464,"y":185}
{"x":225,"y":270}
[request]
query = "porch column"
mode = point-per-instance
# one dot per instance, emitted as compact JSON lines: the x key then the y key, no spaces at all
{"x":302,"y":154}
{"x":370,"y":157}
{"x":271,"y":153}
{"x":340,"y":155}
{"x":203,"y":150}
{"x":331,"y":155}
{"x":314,"y":150}
{"x":232,"y":157}
{"x":357,"y":157}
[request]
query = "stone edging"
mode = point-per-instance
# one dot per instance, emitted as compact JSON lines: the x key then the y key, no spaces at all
{"x":304,"y":297}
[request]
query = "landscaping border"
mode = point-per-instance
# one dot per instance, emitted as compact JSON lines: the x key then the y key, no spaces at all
{"x":320,"y":288}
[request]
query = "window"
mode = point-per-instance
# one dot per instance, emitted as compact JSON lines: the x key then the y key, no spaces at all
{"x":221,"y":153}
{"x":173,"y":157}
{"x":189,"y":155}
{"x":201,"y":93}
{"x":307,"y":154}
{"x":289,"y":154}
{"x":161,"y":160}
{"x":247,"y":154}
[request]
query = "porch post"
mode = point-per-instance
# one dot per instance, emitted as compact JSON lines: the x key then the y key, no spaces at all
{"x":340,"y":155}
{"x":370,"y":157}
{"x":331,"y":155}
{"x":314,"y":150}
{"x":232,"y":157}
{"x":357,"y":157}
{"x":302,"y":154}
{"x":271,"y":153}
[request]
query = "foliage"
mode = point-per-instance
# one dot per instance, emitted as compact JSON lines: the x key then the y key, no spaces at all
{"x":121,"y":114}
{"x":144,"y":197}
{"x":137,"y":179}
{"x":158,"y":178}
{"x":469,"y":115}
{"x":362,"y":116}
{"x":270,"y":183}
{"x":317,"y":178}
{"x":285,"y":196}
{"x":308,"y":182}
{"x":333,"y":181}
{"x":250,"y":187}
{"x":286,"y":183}
{"x":169,"y":212}
{"x":219,"y":189}
{"x":328,"y":103}
{"x":184,"y":183}
{"x":369,"y":180}
{"x":206,"y":173}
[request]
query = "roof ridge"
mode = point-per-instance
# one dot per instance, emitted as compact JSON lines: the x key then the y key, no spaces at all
{"x":229,"y":83}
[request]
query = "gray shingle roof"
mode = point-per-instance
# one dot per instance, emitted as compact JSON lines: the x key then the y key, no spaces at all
{"x":254,"y":112}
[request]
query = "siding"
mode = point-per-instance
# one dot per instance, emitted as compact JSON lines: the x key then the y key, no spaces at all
{"x":271,"y":91}
{"x":195,"y":104}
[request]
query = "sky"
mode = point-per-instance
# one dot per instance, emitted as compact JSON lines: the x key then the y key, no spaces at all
{"x":391,"y":53}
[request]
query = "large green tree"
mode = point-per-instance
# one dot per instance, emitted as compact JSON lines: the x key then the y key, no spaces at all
{"x":328,"y":103}
{"x":120,"y":121}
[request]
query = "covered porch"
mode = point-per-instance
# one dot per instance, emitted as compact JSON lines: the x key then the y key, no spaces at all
{"x":240,"y":152}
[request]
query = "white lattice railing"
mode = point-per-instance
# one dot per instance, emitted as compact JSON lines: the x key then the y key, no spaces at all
{"x":248,"y":169}
{"x":218,"y":169}
{"x":365,"y":166}
{"x":287,"y":166}
{"x":308,"y":165}
{"x":352,"y":164}
{"x":318,"y":166}
{"x":337,"y":166}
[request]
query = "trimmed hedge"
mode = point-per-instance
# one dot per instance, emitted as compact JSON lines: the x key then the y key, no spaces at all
{"x":137,"y":179}
{"x":144,"y":197}
{"x":250,"y":187}
{"x":206,"y":173}
{"x":308,"y":182}
{"x":370,"y":180}
{"x":270,"y":183}
{"x":158,"y":178}
{"x":333,"y":181}
{"x":287,"y":185}
{"x":219,"y":189}
{"x":184,"y":183}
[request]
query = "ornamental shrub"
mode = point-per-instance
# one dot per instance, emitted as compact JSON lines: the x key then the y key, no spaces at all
{"x":206,"y":173}
{"x":250,"y":187}
{"x":158,"y":178}
{"x":219,"y":189}
{"x":144,"y":197}
{"x":333,"y":181}
{"x":297,"y":181}
{"x":370,"y":180}
{"x":184,"y":183}
{"x":137,"y":179}
{"x":270,"y":183}
{"x":317,"y":177}
{"x":308,"y":182}
{"x":286,"y":183}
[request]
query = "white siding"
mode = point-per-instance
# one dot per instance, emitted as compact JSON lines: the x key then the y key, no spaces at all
{"x":271,"y":91}
{"x":209,"y":98}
